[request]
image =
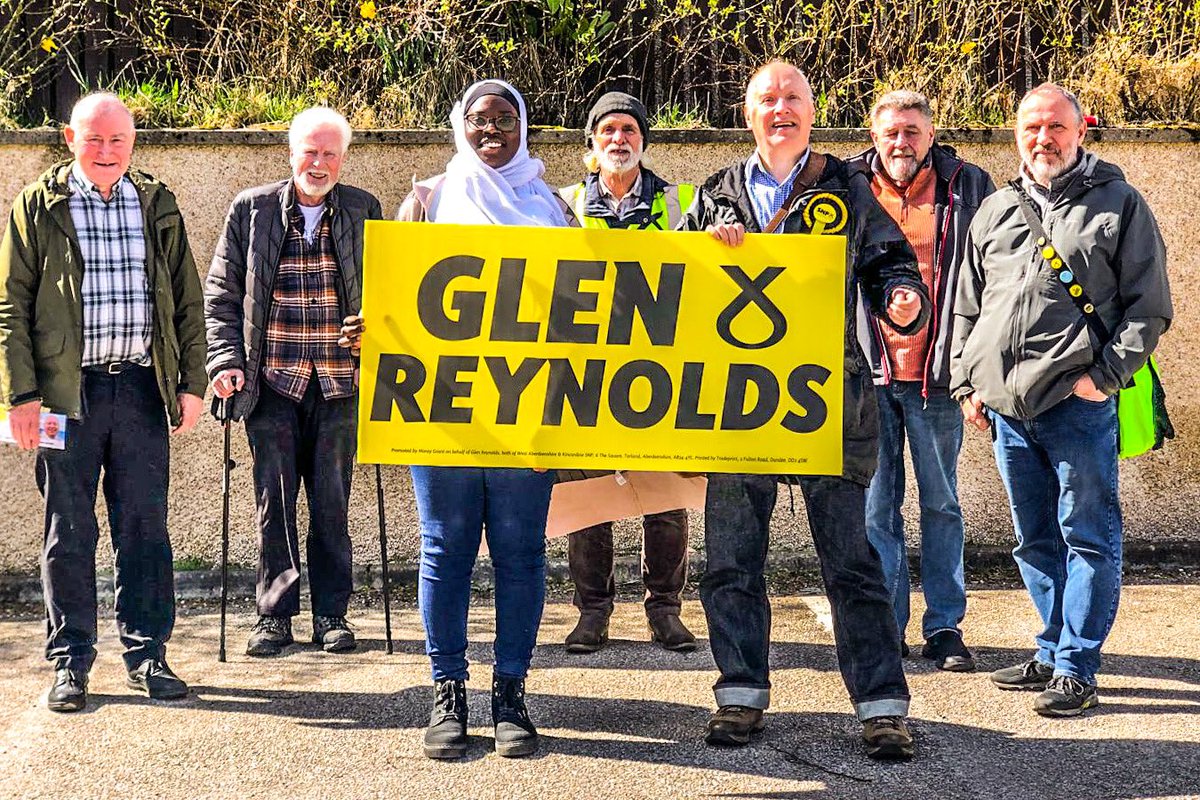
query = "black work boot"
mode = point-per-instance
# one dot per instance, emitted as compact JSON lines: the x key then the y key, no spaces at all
{"x":515,"y":734}
{"x":155,"y":679}
{"x":333,"y":634}
{"x":446,"y":736}
{"x":946,"y":649}
{"x":69,"y":692}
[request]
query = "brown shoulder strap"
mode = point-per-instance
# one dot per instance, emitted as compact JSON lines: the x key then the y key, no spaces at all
{"x":807,"y":178}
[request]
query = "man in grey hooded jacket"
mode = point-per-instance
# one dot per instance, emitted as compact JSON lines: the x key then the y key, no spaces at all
{"x":1026,"y":364}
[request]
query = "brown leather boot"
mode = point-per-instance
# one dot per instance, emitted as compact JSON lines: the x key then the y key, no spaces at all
{"x":887,"y":738}
{"x":732,"y":726}
{"x":590,"y":634}
{"x":669,"y":631}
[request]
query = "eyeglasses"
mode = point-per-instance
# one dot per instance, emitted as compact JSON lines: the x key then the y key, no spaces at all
{"x":506,"y":123}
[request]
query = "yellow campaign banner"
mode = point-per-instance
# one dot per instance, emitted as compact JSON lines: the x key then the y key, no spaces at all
{"x":601,"y":349}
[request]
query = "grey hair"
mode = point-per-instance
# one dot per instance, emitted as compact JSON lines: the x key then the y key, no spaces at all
{"x":1054,"y":88}
{"x":316,"y":117}
{"x":902,"y":100}
{"x":93,"y":101}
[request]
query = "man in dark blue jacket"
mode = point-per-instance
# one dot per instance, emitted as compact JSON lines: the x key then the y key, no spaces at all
{"x":785,"y":177}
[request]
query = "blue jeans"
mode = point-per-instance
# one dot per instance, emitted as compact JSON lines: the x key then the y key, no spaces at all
{"x":934,"y":430}
{"x":455,"y":505}
{"x":733,"y":591}
{"x":1060,"y":471}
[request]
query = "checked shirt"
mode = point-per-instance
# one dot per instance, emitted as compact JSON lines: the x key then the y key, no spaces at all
{"x":117,"y":312}
{"x":305,"y":320}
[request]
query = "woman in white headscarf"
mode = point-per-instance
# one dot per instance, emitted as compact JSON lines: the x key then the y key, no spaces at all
{"x":491,"y":180}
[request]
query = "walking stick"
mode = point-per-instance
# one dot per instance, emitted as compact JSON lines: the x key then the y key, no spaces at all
{"x":223,"y":412}
{"x":383,"y":557}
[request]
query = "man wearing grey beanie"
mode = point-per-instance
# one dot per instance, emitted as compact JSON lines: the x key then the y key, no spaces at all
{"x":620,"y":191}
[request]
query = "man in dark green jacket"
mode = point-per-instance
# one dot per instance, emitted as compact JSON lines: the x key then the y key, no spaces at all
{"x":101,"y":319}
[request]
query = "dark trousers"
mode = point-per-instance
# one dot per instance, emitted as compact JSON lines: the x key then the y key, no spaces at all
{"x":664,"y":564}
{"x":123,"y":432}
{"x":311,"y":441}
{"x":734,"y":591}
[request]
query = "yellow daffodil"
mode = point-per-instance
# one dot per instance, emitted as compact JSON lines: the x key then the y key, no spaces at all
{"x":49,"y":45}
{"x":967,"y":47}
{"x":368,"y":10}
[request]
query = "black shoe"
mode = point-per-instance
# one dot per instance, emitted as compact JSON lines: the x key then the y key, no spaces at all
{"x":732,"y":726}
{"x":270,"y":636}
{"x":1031,"y":674}
{"x":333,"y":634}
{"x":589,"y":635}
{"x":155,"y":679}
{"x":1066,"y":697}
{"x":947,"y":650}
{"x":904,"y":651}
{"x":887,"y":738}
{"x":446,"y":736}
{"x":69,"y":692}
{"x":515,"y":734}
{"x":670,"y":632}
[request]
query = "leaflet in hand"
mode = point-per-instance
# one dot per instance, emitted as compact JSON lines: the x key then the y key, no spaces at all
{"x":52,"y":430}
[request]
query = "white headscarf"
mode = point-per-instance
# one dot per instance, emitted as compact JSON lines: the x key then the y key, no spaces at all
{"x":475,"y":194}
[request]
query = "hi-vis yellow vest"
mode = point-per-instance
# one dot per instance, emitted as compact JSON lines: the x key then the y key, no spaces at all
{"x":667,"y":209}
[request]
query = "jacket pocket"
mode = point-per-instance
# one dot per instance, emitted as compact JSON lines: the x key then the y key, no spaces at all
{"x":48,"y":344}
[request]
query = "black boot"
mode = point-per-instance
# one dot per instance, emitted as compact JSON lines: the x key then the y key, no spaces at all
{"x":446,"y":736}
{"x":515,"y":734}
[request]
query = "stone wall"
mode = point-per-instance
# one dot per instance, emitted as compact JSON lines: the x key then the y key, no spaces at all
{"x":1161,"y":491}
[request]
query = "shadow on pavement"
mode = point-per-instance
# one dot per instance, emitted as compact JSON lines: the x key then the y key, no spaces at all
{"x":954,"y":760}
{"x":625,"y":654}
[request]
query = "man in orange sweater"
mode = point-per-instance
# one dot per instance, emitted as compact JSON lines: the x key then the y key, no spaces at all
{"x":932,"y":195}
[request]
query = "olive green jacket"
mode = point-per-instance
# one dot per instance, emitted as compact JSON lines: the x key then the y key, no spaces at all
{"x":41,"y":308}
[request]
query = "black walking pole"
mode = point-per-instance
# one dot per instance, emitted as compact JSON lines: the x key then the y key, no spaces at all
{"x":383,"y":557}
{"x":222,"y":408}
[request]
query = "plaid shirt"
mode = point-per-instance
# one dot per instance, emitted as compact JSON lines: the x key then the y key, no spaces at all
{"x":767,"y":195}
{"x":305,"y":320}
{"x":117,"y":311}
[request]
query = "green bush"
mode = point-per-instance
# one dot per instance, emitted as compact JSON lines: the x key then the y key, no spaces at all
{"x":402,"y":63}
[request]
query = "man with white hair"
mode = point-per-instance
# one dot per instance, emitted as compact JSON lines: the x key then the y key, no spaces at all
{"x":101,"y":320}
{"x":621,"y":191}
{"x":286,"y":271}
{"x":1062,"y":298}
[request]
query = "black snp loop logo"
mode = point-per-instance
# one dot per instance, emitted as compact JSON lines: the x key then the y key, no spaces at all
{"x":754,"y":292}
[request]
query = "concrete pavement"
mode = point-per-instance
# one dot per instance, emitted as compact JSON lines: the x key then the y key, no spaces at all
{"x":623,"y":723}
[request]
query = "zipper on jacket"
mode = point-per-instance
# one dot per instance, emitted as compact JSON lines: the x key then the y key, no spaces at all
{"x":938,"y":274}
{"x":885,"y":365}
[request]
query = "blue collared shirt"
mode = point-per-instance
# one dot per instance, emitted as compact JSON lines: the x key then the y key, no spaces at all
{"x":767,"y":195}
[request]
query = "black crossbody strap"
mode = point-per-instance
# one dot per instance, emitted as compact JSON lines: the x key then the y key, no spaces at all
{"x":1062,"y":270}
